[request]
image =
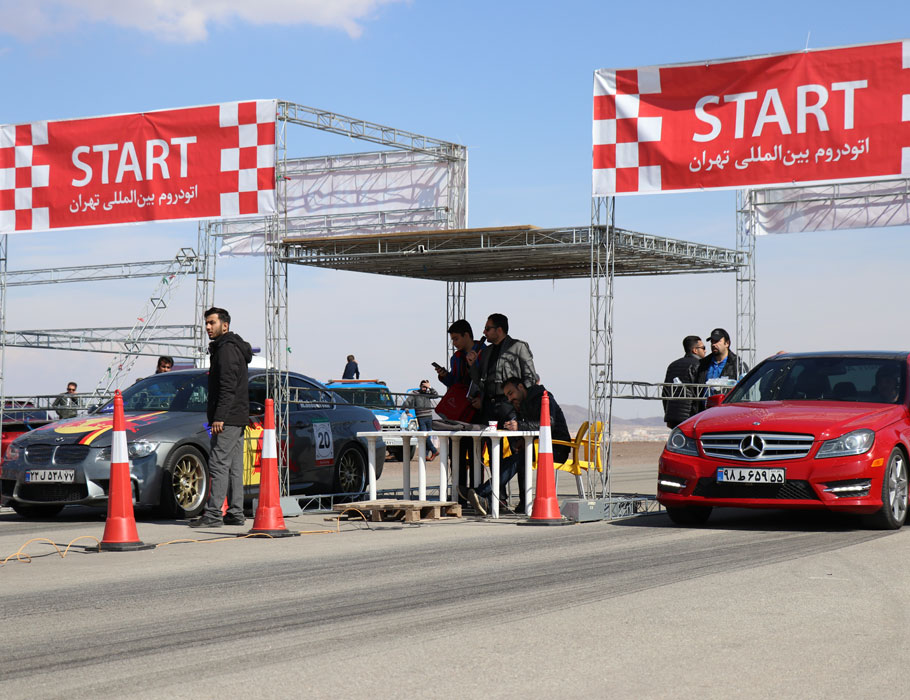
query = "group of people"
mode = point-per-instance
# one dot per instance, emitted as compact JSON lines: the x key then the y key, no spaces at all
{"x":496,"y":375}
{"x":696,"y":366}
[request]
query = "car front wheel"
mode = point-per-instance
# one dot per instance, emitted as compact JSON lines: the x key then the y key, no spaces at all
{"x":894,"y":493}
{"x":350,"y":472}
{"x":30,"y":511}
{"x":184,"y":484}
{"x":689,"y":517}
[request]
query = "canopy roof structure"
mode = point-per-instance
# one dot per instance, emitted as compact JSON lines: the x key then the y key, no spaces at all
{"x":504,"y":253}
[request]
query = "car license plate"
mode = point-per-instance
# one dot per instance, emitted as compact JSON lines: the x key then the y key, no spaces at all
{"x":741,"y":475}
{"x":42,"y":476}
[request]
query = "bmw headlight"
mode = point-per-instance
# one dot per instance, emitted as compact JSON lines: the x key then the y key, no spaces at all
{"x":13,"y":452}
{"x":679,"y":443}
{"x":854,"y":443}
{"x":136,"y":450}
{"x":412,"y":425}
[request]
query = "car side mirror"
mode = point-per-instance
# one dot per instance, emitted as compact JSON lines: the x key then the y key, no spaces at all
{"x":256,"y":408}
{"x":715,"y":400}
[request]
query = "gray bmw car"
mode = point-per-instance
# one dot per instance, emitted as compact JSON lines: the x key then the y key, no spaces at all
{"x":68,"y":462}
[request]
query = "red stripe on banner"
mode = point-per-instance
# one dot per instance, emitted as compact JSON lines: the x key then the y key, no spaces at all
{"x":604,"y":156}
{"x":604,"y":107}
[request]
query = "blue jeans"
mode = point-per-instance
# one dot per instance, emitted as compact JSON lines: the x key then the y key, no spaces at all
{"x":508,"y":467}
{"x":427,"y":424}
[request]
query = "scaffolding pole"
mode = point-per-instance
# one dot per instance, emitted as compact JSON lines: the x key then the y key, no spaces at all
{"x":600,"y":356}
{"x":745,"y":277}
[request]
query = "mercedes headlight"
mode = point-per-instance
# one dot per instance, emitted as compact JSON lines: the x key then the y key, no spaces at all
{"x":854,"y":443}
{"x":679,"y":443}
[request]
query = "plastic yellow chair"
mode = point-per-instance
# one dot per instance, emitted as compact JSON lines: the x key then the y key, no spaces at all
{"x":580,"y":458}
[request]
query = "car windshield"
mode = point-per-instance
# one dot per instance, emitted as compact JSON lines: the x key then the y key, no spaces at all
{"x":372,"y":397}
{"x":869,"y":379}
{"x":169,"y":391}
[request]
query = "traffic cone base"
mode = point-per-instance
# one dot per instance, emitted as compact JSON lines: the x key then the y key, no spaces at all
{"x":546,"y":507}
{"x":120,"y":534}
{"x":269,"y":520}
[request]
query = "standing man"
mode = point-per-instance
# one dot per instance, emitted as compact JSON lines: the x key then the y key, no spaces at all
{"x":67,"y":399}
{"x":422,"y":401}
{"x":228,"y":414}
{"x":351,"y":369}
{"x":165,"y":364}
{"x":683,"y":371}
{"x":722,"y":363}
{"x":504,"y":357}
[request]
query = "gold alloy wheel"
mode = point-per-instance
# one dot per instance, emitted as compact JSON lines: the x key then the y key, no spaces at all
{"x":188,"y":482}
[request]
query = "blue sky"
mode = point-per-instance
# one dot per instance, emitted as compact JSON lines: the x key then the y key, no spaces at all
{"x":510,"y":80}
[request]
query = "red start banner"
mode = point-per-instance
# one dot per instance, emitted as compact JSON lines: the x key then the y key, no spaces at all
{"x":216,"y":161}
{"x":830,"y":115}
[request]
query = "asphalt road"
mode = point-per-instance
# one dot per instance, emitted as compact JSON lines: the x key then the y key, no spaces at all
{"x":758,"y":604}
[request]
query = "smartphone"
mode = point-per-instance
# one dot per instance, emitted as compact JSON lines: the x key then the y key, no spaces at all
{"x":437,"y":366}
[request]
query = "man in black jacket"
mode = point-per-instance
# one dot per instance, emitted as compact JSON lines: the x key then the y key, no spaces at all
{"x":526,"y":405}
{"x":228,"y":414}
{"x":722,"y":363}
{"x":682,"y":371}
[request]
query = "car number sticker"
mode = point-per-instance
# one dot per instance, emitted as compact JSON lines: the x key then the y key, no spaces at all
{"x":35,"y":476}
{"x":322,"y":438}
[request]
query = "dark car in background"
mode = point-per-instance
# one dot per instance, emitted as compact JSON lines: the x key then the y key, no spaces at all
{"x":68,"y":462}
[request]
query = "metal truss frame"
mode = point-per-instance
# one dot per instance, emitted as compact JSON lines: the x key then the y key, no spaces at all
{"x":746,"y":218}
{"x":600,"y":354}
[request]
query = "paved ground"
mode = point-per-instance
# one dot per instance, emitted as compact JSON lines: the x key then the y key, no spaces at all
{"x":757,"y":605}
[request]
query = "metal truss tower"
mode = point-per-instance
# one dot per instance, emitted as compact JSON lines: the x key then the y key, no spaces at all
{"x":205,"y":287}
{"x":745,"y":276}
{"x":600,"y":356}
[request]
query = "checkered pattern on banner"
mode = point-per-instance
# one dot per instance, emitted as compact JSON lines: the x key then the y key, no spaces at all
{"x":24,"y":178}
{"x":252,"y":159}
{"x":623,"y":130}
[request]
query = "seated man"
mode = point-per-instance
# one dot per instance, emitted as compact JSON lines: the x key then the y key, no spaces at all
{"x":526,"y":404}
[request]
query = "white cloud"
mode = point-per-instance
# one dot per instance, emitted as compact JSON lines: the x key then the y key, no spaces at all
{"x":180,"y":20}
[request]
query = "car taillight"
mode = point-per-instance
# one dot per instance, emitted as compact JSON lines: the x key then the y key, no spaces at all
{"x":376,"y":425}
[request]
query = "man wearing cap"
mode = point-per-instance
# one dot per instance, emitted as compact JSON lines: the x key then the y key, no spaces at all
{"x":722,"y":363}
{"x":683,"y":371}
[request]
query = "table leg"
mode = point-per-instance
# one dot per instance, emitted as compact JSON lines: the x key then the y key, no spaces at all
{"x":421,"y":470}
{"x":478,"y":464}
{"x":529,"y":470}
{"x":406,"y":468}
{"x":371,"y":465}
{"x":494,"y":476}
{"x":455,"y":445}
{"x":443,"y":470}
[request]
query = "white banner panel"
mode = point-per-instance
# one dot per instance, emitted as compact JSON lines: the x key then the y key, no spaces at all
{"x":353,"y":194}
{"x":831,"y":207}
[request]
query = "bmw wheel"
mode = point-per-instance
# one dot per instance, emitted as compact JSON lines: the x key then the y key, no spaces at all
{"x":894,"y":493}
{"x":351,"y":471}
{"x":689,"y":517}
{"x":185,"y":483}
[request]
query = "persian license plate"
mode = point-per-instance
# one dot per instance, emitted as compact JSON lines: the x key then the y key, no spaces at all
{"x":44,"y":476}
{"x":741,"y":475}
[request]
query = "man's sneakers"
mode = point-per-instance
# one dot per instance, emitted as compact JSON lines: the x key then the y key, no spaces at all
{"x":479,"y":503}
{"x":207,"y":522}
{"x":234,"y":520}
{"x":433,"y":456}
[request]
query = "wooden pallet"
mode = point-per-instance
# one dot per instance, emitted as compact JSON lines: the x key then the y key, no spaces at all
{"x":387,"y":509}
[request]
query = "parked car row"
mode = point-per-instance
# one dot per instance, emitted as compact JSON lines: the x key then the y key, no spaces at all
{"x":68,"y":462}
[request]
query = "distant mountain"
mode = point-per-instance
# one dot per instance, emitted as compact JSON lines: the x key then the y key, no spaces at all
{"x":576,"y":415}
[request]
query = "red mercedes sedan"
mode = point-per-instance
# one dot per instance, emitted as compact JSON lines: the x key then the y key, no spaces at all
{"x":802,"y":431}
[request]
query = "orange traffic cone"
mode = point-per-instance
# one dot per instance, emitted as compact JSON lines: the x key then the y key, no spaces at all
{"x":269,"y":520}
{"x":120,"y":533}
{"x":546,"y":507}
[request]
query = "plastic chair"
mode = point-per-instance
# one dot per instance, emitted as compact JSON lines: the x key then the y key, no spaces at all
{"x":574,"y":464}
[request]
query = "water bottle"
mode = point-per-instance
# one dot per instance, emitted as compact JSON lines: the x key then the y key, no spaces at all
{"x":403,"y":420}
